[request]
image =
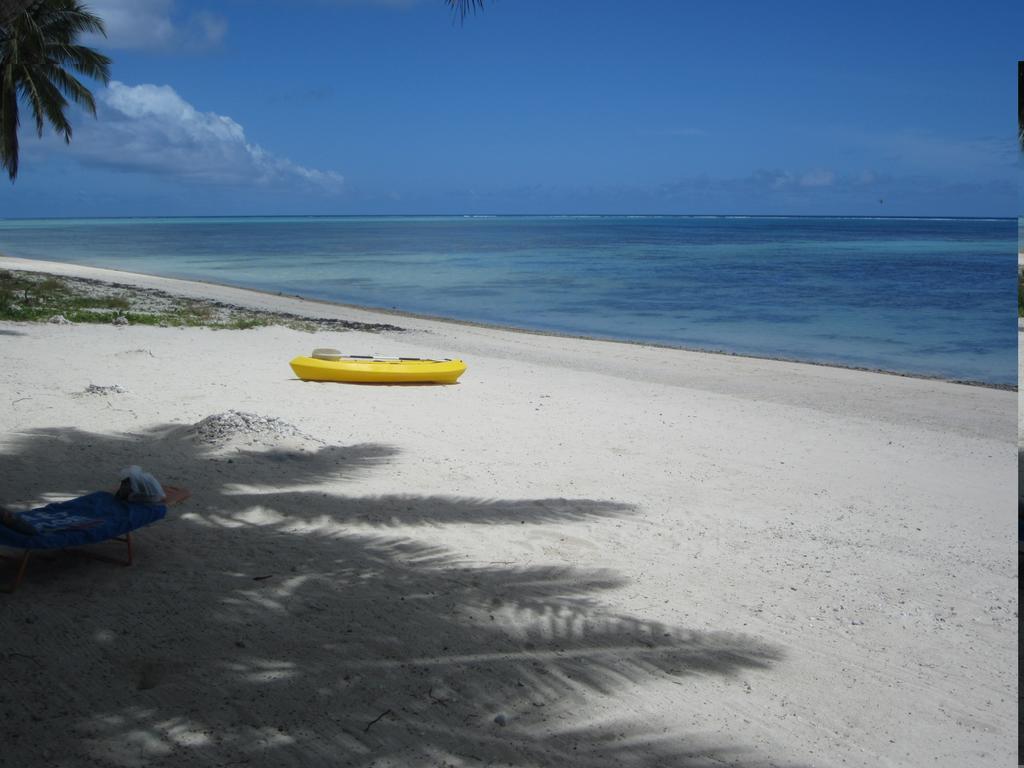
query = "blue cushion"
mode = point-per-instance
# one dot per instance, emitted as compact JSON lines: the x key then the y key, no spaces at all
{"x":85,"y":520}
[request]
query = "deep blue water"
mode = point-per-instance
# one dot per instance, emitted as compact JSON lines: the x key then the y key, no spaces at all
{"x":923,"y":296}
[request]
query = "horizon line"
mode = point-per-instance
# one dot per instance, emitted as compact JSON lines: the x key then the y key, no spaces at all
{"x":516,"y":215}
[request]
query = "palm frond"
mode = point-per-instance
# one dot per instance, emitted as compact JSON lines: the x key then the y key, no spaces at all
{"x":89,"y":62}
{"x":68,"y":19}
{"x":11,"y":9}
{"x":47,"y":104}
{"x":27,"y":90}
{"x":54,"y":105}
{"x":464,"y":7}
{"x":73,"y":88}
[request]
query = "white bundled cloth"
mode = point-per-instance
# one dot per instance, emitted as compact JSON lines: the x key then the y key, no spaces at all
{"x":144,"y":487}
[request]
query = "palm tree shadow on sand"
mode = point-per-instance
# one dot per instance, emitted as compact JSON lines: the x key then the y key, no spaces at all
{"x":271,"y":623}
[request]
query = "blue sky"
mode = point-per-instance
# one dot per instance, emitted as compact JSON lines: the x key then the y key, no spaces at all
{"x":228,"y":107}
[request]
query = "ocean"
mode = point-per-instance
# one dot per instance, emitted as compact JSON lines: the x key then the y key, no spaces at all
{"x":923,"y":296}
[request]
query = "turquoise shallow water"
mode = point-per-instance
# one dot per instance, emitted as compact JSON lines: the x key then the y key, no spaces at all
{"x":922,"y":296}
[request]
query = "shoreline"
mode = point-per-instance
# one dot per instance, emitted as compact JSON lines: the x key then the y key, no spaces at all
{"x":71,"y":269}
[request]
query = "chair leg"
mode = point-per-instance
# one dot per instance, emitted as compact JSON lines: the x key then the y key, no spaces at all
{"x":23,"y":561}
{"x":21,"y":573}
{"x":127,"y":560}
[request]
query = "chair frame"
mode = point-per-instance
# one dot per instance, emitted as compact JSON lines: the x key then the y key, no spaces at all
{"x":175,"y":495}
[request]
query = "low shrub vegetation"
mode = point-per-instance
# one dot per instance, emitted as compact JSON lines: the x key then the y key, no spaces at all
{"x":34,"y":297}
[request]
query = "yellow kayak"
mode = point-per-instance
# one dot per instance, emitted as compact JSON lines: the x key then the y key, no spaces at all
{"x":330,"y":365}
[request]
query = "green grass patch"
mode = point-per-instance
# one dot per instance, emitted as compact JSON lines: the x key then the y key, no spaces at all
{"x":1020,"y":293}
{"x":30,"y":297}
{"x":33,"y":297}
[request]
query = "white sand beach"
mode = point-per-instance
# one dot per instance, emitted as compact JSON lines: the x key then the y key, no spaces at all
{"x":584,"y":554}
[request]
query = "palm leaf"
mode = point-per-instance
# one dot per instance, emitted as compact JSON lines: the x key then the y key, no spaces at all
{"x":10,"y":9}
{"x":73,"y":87}
{"x":83,"y":59}
{"x":51,"y":104}
{"x":464,"y":7}
{"x":27,"y":90}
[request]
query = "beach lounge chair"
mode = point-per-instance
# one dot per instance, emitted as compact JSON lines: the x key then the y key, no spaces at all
{"x":90,"y":519}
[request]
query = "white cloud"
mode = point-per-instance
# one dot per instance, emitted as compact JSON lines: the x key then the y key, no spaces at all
{"x":212,"y":28}
{"x":151,"y":129}
{"x":819,"y":177}
{"x":155,"y":24}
